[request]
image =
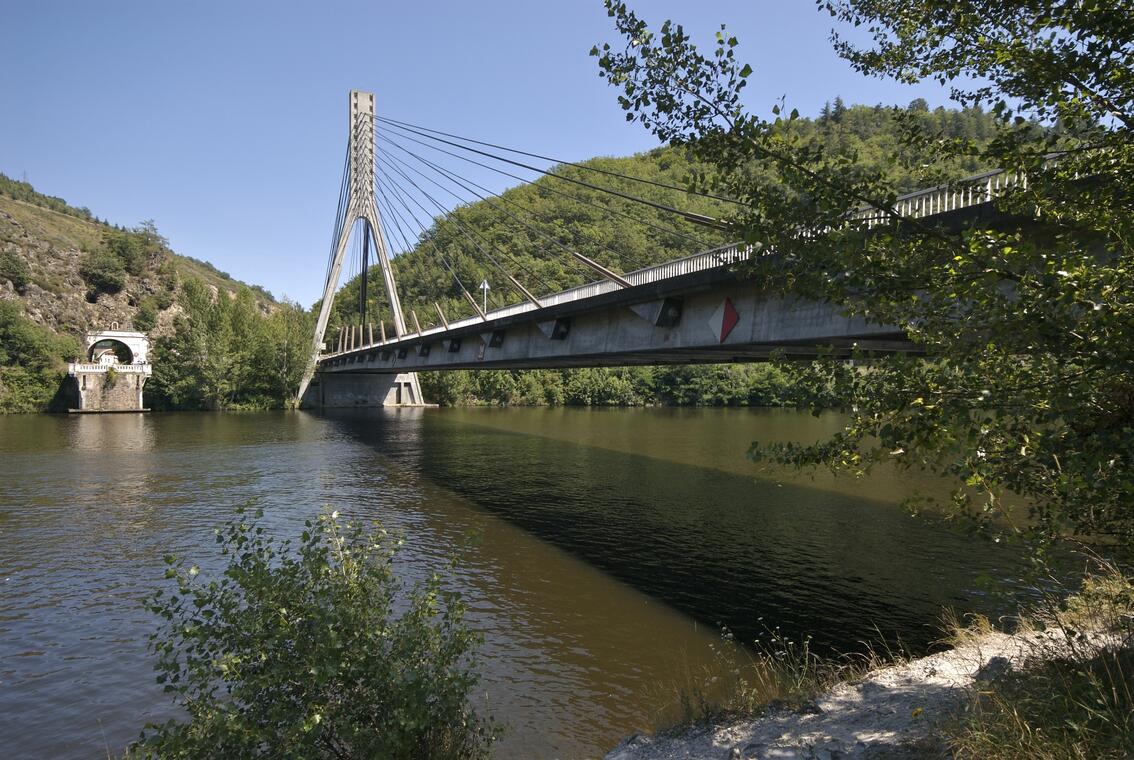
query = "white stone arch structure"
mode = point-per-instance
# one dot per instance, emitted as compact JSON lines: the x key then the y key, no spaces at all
{"x":114,"y":371}
{"x":138,"y":344}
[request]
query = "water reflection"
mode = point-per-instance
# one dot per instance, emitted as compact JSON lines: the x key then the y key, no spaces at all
{"x":726,"y":549}
{"x":98,"y":433}
{"x":611,"y":545}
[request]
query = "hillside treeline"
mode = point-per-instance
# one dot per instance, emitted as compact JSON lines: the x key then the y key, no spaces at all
{"x":228,"y":352}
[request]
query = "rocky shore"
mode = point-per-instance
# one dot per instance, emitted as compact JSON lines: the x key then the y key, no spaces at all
{"x":888,"y":714}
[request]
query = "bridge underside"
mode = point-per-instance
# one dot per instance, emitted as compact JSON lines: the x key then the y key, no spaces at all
{"x":706,"y":317}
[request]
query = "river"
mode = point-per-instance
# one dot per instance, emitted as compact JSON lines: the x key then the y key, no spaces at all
{"x":612,"y":545}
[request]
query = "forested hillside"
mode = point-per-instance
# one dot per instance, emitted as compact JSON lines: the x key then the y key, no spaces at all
{"x":517,"y":231}
{"x":63,"y":272}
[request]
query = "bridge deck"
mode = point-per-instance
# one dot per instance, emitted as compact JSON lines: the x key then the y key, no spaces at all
{"x":697,"y":272}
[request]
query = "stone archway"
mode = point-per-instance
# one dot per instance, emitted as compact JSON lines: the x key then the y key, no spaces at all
{"x":101,"y":351}
{"x":114,"y":373}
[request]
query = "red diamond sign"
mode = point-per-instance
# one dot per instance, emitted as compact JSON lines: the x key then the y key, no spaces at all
{"x":723,"y":320}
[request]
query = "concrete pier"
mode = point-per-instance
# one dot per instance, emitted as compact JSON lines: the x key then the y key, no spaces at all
{"x":336,"y":391}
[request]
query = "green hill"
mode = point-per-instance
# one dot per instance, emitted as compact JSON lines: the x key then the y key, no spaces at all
{"x":63,"y":272}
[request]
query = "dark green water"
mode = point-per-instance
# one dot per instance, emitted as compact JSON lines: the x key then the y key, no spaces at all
{"x":613,"y":544}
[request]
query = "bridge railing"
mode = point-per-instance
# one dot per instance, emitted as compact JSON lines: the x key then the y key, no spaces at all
{"x":716,"y":257}
{"x":953,"y":196}
{"x":966,"y":193}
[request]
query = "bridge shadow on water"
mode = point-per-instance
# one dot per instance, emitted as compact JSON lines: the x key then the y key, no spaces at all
{"x":725,"y":549}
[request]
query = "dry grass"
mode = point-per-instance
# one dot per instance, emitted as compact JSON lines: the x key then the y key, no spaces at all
{"x":1073,"y":698}
{"x":773,"y":672}
{"x":1069,"y":694}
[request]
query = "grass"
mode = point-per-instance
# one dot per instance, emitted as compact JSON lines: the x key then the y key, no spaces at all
{"x":65,"y":231}
{"x":1073,"y":698}
{"x":774,"y":672}
{"x":1070,"y":697}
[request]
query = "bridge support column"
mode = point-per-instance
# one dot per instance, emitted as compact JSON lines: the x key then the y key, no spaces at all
{"x":331,"y":390}
{"x":360,"y":179}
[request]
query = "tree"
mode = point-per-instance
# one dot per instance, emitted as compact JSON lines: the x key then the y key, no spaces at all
{"x":1026,"y":319}
{"x":838,"y":110}
{"x":226,"y":352}
{"x":103,"y":271}
{"x":31,"y":361}
{"x":312,"y":652}
{"x":280,"y":351}
{"x":14,"y":269}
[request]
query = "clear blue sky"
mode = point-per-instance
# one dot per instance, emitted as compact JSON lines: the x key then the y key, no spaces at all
{"x":225,"y":122}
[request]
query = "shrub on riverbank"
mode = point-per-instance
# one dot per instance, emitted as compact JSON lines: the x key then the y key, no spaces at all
{"x":313,"y":651}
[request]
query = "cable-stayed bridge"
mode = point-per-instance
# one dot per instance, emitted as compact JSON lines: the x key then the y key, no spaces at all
{"x":695,"y":309}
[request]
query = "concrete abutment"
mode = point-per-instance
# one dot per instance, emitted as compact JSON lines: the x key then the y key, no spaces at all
{"x":330,"y":390}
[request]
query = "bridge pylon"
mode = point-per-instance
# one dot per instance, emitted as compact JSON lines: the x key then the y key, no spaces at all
{"x":361,"y":206}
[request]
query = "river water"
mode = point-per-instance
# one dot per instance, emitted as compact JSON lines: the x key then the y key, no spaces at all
{"x":612,"y":545}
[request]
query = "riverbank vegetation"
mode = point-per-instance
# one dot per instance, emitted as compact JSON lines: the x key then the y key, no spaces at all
{"x":1072,"y":695}
{"x":312,"y":650}
{"x":32,"y":361}
{"x":683,"y":385}
{"x":227,"y":352}
{"x":1060,"y":686}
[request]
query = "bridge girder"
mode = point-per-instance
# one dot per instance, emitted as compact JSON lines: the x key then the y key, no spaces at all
{"x":631,"y":327}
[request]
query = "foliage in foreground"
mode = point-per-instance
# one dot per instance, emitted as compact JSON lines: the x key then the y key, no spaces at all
{"x":1075,"y":700}
{"x":313,"y":651}
{"x":1027,"y":315}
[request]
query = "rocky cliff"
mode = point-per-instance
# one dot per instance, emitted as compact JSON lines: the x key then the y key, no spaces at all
{"x":48,"y":247}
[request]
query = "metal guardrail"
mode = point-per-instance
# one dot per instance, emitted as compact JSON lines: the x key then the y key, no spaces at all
{"x":966,"y":193}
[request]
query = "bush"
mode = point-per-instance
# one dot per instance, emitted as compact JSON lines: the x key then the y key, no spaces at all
{"x":313,"y":652}
{"x":147,"y":315}
{"x":448,"y":388}
{"x":14,"y":269}
{"x":135,"y":248}
{"x":27,"y":390}
{"x":103,"y":272}
{"x":26,"y":344}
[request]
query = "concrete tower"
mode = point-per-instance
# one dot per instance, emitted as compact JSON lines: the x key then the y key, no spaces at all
{"x":361,"y":206}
